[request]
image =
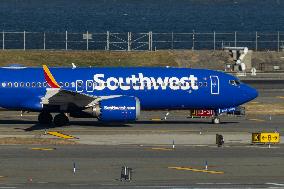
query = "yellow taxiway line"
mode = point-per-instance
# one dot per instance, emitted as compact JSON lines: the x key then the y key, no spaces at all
{"x":280,"y":97}
{"x":196,"y":170}
{"x":163,"y":149}
{"x":43,"y":149}
{"x":60,"y":135}
{"x":156,"y":119}
{"x":259,"y":120}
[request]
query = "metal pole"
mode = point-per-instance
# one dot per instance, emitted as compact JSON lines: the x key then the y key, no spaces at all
{"x":3,"y":40}
{"x":151,"y":40}
{"x":214,"y":40}
{"x":66,"y":39}
{"x":44,"y":41}
{"x":87,"y":40}
{"x":235,"y":38}
{"x":129,"y":42}
{"x":107,"y":41}
{"x":278,"y":41}
{"x":172,"y":46}
{"x":192,"y":39}
{"x":24,"y":40}
{"x":256,"y":41}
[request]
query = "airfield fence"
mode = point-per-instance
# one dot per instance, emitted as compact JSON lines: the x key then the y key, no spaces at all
{"x":149,"y":41}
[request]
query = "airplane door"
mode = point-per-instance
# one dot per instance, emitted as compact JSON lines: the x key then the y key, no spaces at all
{"x":79,"y":86}
{"x":214,"y":85}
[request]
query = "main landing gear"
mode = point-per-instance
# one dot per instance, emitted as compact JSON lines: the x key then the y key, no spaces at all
{"x":45,"y":118}
{"x":59,"y":120}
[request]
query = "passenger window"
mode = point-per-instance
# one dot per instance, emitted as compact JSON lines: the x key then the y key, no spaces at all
{"x":3,"y":84}
{"x":73,"y":84}
{"x":22,"y":84}
{"x":16,"y":84}
{"x":28,"y":84}
{"x":89,"y":84}
{"x":200,"y":84}
{"x":205,"y":84}
{"x":9,"y":84}
{"x":79,"y":84}
{"x":33,"y":84}
{"x":39,"y":84}
{"x":60,"y":84}
{"x":44,"y":84}
{"x":67,"y":84}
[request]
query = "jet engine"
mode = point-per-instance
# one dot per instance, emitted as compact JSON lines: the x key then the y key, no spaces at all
{"x":118,"y":109}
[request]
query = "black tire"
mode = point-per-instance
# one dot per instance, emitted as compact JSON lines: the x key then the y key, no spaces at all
{"x":45,"y":118}
{"x":61,"y":120}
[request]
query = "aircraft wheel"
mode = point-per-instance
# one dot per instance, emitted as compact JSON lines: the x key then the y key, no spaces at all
{"x":61,"y":120}
{"x":216,"y":120}
{"x":45,"y":118}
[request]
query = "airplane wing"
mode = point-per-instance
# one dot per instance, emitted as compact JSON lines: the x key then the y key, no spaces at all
{"x":66,"y":99}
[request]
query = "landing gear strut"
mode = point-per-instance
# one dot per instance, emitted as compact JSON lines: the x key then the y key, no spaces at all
{"x":215,"y":120}
{"x":61,"y":120}
{"x":45,"y":118}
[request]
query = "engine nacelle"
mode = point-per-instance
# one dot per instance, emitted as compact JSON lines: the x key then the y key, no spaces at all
{"x":124,"y":108}
{"x":120,"y":109}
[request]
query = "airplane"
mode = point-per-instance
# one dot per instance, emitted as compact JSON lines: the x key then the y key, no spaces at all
{"x":117,"y":94}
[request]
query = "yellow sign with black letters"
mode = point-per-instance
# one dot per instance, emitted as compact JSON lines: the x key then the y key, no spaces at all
{"x":265,"y":138}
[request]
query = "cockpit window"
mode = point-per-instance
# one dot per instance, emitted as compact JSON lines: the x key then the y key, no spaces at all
{"x":234,"y":82}
{"x":237,"y":82}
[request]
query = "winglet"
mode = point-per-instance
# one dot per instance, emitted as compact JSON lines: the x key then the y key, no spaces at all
{"x":49,"y":78}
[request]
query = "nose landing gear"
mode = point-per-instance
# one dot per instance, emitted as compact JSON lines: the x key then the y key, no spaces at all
{"x":216,"y":120}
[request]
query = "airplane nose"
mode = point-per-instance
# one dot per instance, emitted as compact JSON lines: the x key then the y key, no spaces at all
{"x":251,"y":93}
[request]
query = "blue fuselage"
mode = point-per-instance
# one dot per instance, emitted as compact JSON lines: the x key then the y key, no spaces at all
{"x":156,"y":88}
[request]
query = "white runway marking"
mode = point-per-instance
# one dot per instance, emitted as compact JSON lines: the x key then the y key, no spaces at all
{"x":275,"y":184}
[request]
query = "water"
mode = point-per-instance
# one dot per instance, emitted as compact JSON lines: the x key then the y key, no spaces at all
{"x":142,"y":15}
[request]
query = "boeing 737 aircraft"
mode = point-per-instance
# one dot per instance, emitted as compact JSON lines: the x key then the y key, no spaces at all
{"x":117,"y":94}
